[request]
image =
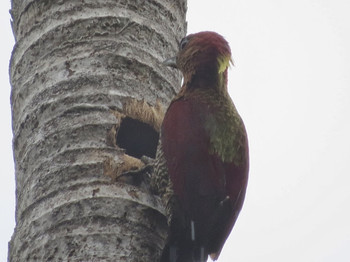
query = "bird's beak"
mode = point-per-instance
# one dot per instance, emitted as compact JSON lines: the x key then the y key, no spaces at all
{"x":170,"y":62}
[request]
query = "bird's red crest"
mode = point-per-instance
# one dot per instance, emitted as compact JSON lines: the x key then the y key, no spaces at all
{"x":204,"y":49}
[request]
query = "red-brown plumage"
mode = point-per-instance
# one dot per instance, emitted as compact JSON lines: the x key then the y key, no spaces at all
{"x":204,"y":149}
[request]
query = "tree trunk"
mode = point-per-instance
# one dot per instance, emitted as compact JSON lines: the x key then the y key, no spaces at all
{"x":87,"y":86}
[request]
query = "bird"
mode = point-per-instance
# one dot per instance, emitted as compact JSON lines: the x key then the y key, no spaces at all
{"x":202,"y":160}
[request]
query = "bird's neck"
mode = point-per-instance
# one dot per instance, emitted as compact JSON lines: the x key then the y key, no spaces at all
{"x":206,"y":79}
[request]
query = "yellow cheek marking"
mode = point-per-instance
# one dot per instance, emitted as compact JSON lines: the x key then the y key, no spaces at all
{"x":224,"y":63}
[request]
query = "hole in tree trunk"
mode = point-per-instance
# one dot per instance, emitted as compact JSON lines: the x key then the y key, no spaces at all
{"x":137,"y":138}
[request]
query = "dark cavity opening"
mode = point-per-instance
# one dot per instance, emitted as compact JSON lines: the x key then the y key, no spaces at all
{"x":137,"y":138}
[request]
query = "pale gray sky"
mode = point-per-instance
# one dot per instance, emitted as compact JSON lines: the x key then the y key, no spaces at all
{"x":291,"y":84}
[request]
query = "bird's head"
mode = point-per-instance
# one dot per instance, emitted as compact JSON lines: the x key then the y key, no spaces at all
{"x":204,"y":55}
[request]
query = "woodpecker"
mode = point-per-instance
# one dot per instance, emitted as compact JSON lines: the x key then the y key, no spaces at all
{"x":202,"y":160}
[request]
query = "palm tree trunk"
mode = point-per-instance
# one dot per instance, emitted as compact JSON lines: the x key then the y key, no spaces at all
{"x":87,"y":85}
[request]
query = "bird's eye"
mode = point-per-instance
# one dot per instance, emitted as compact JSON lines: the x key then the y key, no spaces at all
{"x":183,"y":43}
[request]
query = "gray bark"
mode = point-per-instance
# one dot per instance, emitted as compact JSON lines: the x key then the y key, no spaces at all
{"x":79,"y":69}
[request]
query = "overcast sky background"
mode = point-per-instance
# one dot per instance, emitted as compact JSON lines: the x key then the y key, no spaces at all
{"x":291,"y":85}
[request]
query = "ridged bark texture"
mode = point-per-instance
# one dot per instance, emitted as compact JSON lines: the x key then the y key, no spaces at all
{"x":78,"y":70}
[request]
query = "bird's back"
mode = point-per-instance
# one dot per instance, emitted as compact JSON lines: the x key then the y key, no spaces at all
{"x":204,"y":152}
